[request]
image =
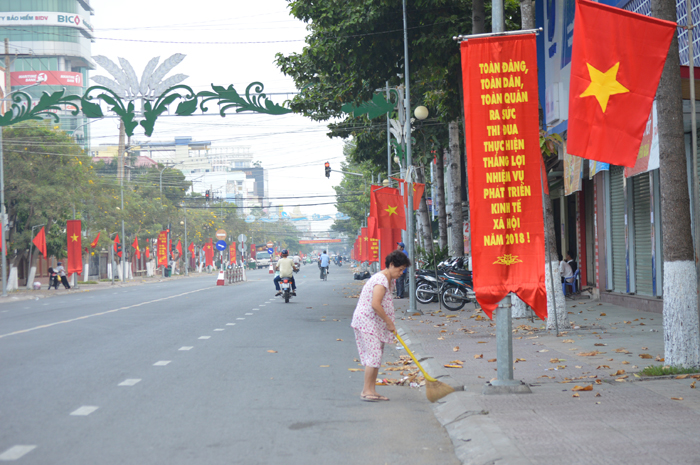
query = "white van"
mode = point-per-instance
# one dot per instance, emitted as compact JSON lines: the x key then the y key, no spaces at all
{"x":262,"y":259}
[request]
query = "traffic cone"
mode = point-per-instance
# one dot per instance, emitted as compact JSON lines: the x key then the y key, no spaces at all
{"x":220,"y":280}
{"x":272,"y":270}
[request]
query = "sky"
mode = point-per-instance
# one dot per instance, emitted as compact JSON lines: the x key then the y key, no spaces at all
{"x":225,"y":42}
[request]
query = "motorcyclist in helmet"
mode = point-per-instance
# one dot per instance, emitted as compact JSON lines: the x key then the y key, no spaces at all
{"x":286,"y":267}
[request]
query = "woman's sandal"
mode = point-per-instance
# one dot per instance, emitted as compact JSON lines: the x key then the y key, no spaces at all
{"x":373,"y":398}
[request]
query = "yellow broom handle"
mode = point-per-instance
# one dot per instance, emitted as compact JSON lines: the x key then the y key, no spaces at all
{"x":425,"y":375}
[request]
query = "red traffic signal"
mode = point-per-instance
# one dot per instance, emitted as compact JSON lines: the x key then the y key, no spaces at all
{"x":328,"y":170}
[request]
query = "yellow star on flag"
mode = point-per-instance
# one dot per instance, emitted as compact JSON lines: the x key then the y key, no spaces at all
{"x":603,"y":85}
{"x":74,"y":238}
{"x":391,"y":210}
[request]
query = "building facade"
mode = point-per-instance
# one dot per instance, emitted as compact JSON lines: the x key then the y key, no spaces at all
{"x":49,"y":48}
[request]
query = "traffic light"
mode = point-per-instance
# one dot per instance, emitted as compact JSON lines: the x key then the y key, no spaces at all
{"x":206,"y":196}
{"x":119,"y":248}
{"x":328,"y":170}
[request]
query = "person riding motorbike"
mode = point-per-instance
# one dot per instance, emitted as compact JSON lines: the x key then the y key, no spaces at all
{"x":286,"y":267}
{"x":324,"y":262}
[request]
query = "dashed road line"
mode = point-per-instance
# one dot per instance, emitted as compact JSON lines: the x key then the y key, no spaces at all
{"x":219,"y":329}
{"x":256,"y":309}
{"x":230,"y":324}
{"x":161,"y":363}
{"x":16,"y":452}
{"x":249,"y":314}
{"x":204,"y":337}
{"x":129,"y":382}
{"x":186,"y":348}
{"x":240,"y":318}
{"x":84,"y":411}
{"x":100,"y":313}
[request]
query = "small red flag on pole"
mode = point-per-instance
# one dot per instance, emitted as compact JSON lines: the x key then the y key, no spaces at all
{"x":40,"y":242}
{"x":93,"y":244}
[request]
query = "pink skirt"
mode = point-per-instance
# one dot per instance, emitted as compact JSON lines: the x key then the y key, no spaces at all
{"x":370,"y":348}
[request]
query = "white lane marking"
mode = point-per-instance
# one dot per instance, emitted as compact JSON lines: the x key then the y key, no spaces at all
{"x":262,"y":305}
{"x":240,"y":318}
{"x":45,"y":304}
{"x":101,"y":313}
{"x":248,"y":313}
{"x":256,"y":309}
{"x":129,"y":382}
{"x":186,"y":348}
{"x":204,"y":337}
{"x":161,"y":363}
{"x":84,"y":411}
{"x":230,"y":324}
{"x":16,"y":452}
{"x":219,"y":329}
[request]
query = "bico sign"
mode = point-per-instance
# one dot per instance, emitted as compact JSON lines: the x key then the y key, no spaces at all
{"x":41,"y":18}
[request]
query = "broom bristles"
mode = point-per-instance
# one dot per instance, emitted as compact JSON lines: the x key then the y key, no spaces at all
{"x":436,"y":390}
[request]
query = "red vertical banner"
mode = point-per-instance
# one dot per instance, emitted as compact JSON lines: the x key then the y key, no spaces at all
{"x":232,"y":252}
{"x":75,"y":249}
{"x":252,"y":251}
{"x":365,"y":245}
{"x":505,"y":199}
{"x":162,"y":252}
{"x":209,"y":253}
{"x":373,"y":249}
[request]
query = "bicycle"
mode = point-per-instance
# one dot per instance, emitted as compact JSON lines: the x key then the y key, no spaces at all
{"x":324,"y":273}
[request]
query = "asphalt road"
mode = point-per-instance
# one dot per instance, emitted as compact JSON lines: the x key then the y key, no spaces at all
{"x":181,"y":372}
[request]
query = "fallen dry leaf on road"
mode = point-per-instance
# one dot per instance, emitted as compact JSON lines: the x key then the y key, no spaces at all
{"x":645,"y":348}
{"x":272,"y":351}
{"x":692,"y":386}
{"x":355,"y":369}
{"x":556,"y":360}
{"x":575,"y":394}
{"x":417,"y":314}
{"x":603,"y":314}
{"x":645,"y":356}
{"x":451,"y":316}
{"x":457,"y":362}
{"x":441,"y":338}
{"x":324,"y":366}
{"x":659,"y":359}
{"x":597,"y":394}
{"x":543,"y":350}
{"x":482,"y":342}
{"x":520,"y":360}
{"x":492,"y":360}
{"x":567,"y":341}
{"x":449,"y":365}
{"x":622,"y":350}
{"x":479,"y":356}
{"x":620,"y":380}
{"x":625,"y":362}
{"x":602,"y":366}
{"x":583,"y":388}
{"x":676,"y":398}
{"x":682,"y":376}
{"x":598,"y":381}
{"x":599,"y":344}
{"x":619,"y":372}
{"x":339,"y":340}
{"x":589,"y":354}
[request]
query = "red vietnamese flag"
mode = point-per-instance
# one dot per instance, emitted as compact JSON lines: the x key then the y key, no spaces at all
{"x":372,"y":227}
{"x":135,"y":245}
{"x":191,"y":248}
{"x":148,"y":252}
{"x":365,"y":245}
{"x":93,"y":244}
{"x":418,"y":189}
{"x":40,"y":241}
{"x":75,"y":249}
{"x":178,"y":247}
{"x":616,"y":65}
{"x":209,"y":253}
{"x":390,"y":211}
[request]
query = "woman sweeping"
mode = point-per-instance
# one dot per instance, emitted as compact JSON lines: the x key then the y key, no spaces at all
{"x":373,"y":320}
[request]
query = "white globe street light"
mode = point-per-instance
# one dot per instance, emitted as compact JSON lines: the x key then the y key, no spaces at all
{"x":421,"y":112}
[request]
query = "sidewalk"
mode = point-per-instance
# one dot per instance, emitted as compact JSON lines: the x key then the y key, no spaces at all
{"x":625,"y":418}
{"x":30,"y":294}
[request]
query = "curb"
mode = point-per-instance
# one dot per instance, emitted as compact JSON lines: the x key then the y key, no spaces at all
{"x":476,"y":438}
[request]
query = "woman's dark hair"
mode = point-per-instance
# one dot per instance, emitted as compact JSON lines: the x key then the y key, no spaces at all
{"x":397,"y":258}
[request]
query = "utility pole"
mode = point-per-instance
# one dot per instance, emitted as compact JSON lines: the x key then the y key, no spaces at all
{"x":122,"y":146}
{"x":3,"y":225}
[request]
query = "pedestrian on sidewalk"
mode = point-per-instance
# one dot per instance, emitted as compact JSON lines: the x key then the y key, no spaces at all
{"x":373,"y":320}
{"x":62,"y":275}
{"x":401,"y":280}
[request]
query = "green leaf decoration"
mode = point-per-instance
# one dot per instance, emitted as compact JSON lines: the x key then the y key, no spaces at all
{"x":91,"y":110}
{"x":378,"y":106}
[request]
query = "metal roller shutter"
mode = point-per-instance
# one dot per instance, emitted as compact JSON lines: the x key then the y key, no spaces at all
{"x":642,"y":234}
{"x":617,"y":222}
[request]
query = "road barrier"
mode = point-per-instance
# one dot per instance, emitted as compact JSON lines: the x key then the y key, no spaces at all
{"x":234,"y":274}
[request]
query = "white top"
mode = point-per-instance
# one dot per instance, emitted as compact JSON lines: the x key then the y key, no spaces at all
{"x":565,"y":269}
{"x":286,"y":267}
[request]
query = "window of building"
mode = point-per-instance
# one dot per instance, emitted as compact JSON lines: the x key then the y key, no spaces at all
{"x":65,"y":6}
{"x":40,"y":33}
{"x":36,"y":64}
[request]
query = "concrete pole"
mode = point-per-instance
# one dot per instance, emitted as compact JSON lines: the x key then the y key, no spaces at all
{"x":409,"y":162}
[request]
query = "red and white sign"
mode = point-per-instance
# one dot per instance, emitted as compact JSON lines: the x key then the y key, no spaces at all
{"x":46,"y":78}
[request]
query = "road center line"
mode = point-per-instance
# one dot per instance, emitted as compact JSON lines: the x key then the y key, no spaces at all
{"x":101,"y":313}
{"x":129,"y":382}
{"x":84,"y":411}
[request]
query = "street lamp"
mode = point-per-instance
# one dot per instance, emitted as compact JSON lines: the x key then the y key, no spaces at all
{"x":421,"y":112}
